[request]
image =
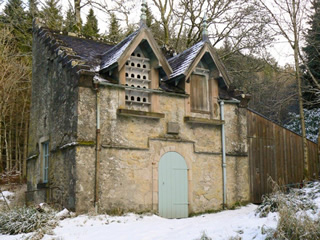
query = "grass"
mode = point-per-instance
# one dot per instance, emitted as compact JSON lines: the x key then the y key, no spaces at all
{"x":25,"y":220}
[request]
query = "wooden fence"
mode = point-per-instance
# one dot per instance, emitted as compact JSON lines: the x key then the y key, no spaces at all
{"x":276,"y":152}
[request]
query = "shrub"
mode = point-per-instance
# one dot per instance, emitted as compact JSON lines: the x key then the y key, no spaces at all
{"x":25,"y":220}
{"x":295,"y":225}
{"x":297,"y":219}
{"x":297,"y":199}
{"x":269,"y":204}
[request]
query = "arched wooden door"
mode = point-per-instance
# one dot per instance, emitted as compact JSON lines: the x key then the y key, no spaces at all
{"x":173,"y":186}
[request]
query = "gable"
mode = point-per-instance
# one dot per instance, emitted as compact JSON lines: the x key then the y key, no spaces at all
{"x":185,"y":63}
{"x":118,"y":55}
{"x":182,"y":62}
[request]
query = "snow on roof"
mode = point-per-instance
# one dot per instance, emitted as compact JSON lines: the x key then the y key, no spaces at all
{"x":182,"y":61}
{"x":112,"y":55}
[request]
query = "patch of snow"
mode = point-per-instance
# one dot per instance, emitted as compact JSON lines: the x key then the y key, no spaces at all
{"x":33,"y":156}
{"x":6,"y":195}
{"x":63,"y":214}
{"x":69,"y":145}
{"x":16,"y":237}
{"x":97,"y":68}
{"x":98,"y":79}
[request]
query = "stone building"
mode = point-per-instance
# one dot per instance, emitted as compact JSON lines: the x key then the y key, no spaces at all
{"x":123,"y":128}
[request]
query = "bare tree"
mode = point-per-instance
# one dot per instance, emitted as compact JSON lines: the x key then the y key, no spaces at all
{"x":15,"y":75}
{"x":165,"y":8}
{"x":288,"y":16}
{"x":238,"y":20}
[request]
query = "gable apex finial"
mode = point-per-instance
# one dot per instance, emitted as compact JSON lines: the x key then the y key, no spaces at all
{"x":205,"y":28}
{"x":143,"y":17}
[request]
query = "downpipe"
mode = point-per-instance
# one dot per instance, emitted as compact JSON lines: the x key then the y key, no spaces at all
{"x":98,"y":150}
{"x":224,"y":165}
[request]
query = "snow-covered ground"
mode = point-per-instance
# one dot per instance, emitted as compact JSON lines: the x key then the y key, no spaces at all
{"x":223,"y":225}
{"x":243,"y":223}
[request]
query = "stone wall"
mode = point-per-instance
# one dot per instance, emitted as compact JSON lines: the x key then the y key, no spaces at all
{"x":53,"y":119}
{"x":132,"y":148}
{"x":237,"y":154}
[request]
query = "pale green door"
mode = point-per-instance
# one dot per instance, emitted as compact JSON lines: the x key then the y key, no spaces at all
{"x":173,"y":186}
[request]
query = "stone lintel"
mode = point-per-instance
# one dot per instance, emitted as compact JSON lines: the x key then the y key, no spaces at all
{"x":142,"y":114}
{"x":124,"y":147}
{"x":216,"y":122}
{"x":208,"y":153}
{"x":170,"y":139}
{"x":237,"y":154}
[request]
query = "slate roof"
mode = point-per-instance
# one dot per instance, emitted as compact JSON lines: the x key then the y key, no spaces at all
{"x":111,"y":56}
{"x":87,"y":55}
{"x":181,"y":62}
{"x":88,"y":50}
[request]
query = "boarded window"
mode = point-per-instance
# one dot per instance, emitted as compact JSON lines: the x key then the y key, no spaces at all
{"x":199,"y":93}
{"x":45,"y":157}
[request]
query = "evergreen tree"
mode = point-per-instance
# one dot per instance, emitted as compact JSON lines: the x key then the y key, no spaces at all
{"x":16,"y":18}
{"x":115,"y":34}
{"x":150,"y":17}
{"x":51,"y":14}
{"x":130,"y":29}
{"x":33,"y":10}
{"x":312,"y":52}
{"x":90,"y":29}
{"x":14,"y":11}
{"x":312,"y":117}
{"x":69,"y":24}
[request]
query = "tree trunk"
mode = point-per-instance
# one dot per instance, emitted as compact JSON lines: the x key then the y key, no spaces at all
{"x":1,"y":149}
{"x":10,"y":150}
{"x":5,"y":134}
{"x":77,"y":9}
{"x":298,"y":78}
{"x":25,"y":149}
{"x":16,"y":145}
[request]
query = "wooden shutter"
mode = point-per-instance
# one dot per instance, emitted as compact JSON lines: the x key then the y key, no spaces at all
{"x":199,"y":93}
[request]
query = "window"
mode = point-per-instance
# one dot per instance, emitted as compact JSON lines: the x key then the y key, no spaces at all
{"x":45,"y":157}
{"x":138,"y":79}
{"x":199,"y":91}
